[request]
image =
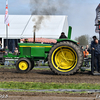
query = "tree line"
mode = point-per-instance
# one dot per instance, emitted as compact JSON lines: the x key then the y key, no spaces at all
{"x":84,"y":39}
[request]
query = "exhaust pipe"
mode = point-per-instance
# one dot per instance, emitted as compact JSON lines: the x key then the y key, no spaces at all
{"x":34,"y":34}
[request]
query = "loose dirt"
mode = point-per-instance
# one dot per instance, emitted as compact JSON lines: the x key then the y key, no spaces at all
{"x":48,"y":96}
{"x":46,"y":76}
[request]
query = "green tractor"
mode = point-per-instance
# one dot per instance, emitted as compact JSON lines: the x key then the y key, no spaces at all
{"x":64,"y":58}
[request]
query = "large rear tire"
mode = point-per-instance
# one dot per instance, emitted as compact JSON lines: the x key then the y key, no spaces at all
{"x":65,"y":58}
{"x":23,"y":65}
{"x":32,"y":65}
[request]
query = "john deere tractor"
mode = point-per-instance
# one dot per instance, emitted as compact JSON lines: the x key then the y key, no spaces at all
{"x":64,"y":58}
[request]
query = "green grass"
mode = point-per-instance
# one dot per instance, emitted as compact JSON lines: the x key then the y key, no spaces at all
{"x":7,"y":67}
{"x":84,"y":92}
{"x":38,"y":85}
{"x":13,"y":67}
{"x":41,"y":68}
{"x":45,"y":64}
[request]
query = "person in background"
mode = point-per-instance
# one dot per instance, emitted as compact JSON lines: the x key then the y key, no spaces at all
{"x":0,"y":45}
{"x":16,"y":51}
{"x":82,"y":48}
{"x":62,"y":35}
{"x":87,"y":47}
{"x":96,"y":48}
{"x":6,"y":52}
{"x":93,"y":42}
{"x":94,"y":37}
{"x":86,"y":53}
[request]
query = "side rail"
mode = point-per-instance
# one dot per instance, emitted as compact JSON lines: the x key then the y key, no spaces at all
{"x":92,"y":61}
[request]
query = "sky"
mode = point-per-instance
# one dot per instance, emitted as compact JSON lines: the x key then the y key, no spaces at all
{"x":81,"y":13}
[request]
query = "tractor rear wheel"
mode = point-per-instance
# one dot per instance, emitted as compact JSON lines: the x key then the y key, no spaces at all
{"x":23,"y":65}
{"x":65,"y":58}
{"x":32,"y":65}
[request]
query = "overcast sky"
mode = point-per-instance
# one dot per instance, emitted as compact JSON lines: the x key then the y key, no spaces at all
{"x":81,"y":13}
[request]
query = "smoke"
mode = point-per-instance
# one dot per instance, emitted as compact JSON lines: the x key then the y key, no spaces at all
{"x":38,"y":21}
{"x":46,"y":7}
{"x":81,"y":13}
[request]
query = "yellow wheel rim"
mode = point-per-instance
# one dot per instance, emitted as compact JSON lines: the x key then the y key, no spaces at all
{"x":64,"y":58}
{"x":23,"y":65}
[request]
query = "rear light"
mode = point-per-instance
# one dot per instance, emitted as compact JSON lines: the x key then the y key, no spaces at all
{"x":78,"y":43}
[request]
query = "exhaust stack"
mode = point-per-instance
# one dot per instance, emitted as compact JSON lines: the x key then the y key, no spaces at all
{"x":34,"y":34}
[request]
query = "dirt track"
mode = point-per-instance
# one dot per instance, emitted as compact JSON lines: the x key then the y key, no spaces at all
{"x":47,"y":76}
{"x":49,"y":96}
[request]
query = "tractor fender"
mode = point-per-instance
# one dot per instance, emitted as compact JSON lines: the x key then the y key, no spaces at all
{"x":69,"y":40}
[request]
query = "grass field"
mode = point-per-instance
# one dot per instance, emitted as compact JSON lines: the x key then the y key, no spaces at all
{"x":38,"y":85}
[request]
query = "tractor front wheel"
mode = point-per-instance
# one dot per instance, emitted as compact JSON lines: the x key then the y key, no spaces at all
{"x":23,"y":65}
{"x":32,"y":65}
{"x":65,"y":58}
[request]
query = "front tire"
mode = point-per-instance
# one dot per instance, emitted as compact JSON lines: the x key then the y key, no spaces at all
{"x":23,"y":65}
{"x":32,"y":65}
{"x":65,"y":58}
